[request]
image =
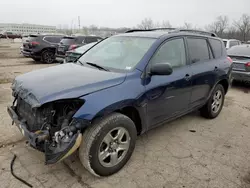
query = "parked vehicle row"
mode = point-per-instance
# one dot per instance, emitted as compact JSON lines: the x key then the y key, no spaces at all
{"x":119,"y":88}
{"x":46,"y":48}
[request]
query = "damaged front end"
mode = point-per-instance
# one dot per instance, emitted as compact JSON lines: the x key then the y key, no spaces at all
{"x":51,"y":127}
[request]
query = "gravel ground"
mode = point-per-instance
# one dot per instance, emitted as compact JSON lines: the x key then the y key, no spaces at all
{"x":190,"y":152}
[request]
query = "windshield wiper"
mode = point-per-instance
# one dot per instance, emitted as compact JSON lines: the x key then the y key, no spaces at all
{"x":80,"y":62}
{"x":97,"y":66}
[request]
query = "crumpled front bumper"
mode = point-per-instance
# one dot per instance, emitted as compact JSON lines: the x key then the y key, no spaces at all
{"x":39,"y":140}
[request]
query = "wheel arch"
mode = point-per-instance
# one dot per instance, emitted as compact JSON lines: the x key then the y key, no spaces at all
{"x":125,"y":107}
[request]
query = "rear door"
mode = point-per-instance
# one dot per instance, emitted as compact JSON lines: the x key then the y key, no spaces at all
{"x":204,"y":69}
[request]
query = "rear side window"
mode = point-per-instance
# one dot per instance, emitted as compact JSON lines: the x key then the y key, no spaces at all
{"x":56,"y":39}
{"x":217,"y":47}
{"x":48,"y":39}
{"x":91,"y":39}
{"x":68,"y":40}
{"x":198,"y":49}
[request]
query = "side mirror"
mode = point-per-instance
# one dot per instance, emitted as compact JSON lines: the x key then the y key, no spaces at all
{"x":161,"y":69}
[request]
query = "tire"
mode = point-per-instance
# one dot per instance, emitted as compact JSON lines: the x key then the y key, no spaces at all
{"x":94,"y":144}
{"x":36,"y":59}
{"x":48,"y":57}
{"x":209,"y":110}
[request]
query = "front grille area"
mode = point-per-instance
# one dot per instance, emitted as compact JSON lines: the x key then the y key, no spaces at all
{"x":32,"y":117}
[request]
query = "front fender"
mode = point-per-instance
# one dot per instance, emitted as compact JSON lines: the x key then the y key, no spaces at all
{"x":103,"y":102}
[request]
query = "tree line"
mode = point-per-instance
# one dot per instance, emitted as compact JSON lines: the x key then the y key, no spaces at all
{"x":237,"y":29}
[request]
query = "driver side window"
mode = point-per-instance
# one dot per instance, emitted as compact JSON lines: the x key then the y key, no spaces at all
{"x":172,"y":52}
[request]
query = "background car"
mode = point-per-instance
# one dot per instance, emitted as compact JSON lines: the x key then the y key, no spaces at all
{"x":24,"y":40}
{"x":10,"y":35}
{"x":240,"y":56}
{"x":72,"y":42}
{"x":72,"y":55}
{"x":231,"y":42}
{"x":41,"y":47}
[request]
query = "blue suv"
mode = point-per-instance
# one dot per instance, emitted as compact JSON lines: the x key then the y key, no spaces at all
{"x":121,"y":87}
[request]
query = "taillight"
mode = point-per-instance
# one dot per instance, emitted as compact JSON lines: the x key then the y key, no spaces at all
{"x":247,"y":64}
{"x":72,"y":47}
{"x":230,"y":60}
{"x":34,"y":43}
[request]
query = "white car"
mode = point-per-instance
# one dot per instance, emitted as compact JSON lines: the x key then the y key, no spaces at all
{"x":231,"y":42}
{"x":24,"y":39}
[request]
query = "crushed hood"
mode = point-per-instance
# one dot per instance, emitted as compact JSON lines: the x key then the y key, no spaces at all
{"x":62,"y":82}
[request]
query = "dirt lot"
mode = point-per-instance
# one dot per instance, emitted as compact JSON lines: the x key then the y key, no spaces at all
{"x":190,"y":152}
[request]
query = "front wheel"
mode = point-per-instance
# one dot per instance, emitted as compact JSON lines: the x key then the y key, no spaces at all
{"x":108,"y":144}
{"x":215,"y":103}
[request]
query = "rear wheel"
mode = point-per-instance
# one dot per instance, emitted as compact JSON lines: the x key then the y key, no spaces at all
{"x":48,"y":56}
{"x":108,"y":144}
{"x":215,"y":103}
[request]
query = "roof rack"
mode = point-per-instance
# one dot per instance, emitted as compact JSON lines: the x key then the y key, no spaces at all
{"x":199,"y":32}
{"x":154,"y":29}
{"x":175,"y":30}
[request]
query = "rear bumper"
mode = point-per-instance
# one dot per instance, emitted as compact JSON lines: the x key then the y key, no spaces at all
{"x":31,"y":54}
{"x":241,"y":76}
{"x":26,"y":54}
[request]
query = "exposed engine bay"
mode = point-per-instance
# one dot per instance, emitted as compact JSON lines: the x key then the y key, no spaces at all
{"x":55,"y":131}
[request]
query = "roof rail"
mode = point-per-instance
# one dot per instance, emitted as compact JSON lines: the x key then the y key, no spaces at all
{"x":198,"y":32}
{"x":175,"y":30}
{"x":154,"y":29}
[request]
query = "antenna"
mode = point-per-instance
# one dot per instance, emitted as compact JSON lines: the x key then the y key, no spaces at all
{"x":79,"y":23}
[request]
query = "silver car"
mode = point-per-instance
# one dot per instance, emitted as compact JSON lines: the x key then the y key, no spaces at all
{"x":240,"y":56}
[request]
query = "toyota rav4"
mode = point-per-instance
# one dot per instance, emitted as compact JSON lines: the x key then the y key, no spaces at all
{"x":120,"y":88}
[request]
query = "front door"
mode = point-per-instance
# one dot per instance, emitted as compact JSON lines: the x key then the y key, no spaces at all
{"x":169,"y":95}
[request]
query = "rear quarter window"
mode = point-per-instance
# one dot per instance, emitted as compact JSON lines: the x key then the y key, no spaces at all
{"x":216,"y":47}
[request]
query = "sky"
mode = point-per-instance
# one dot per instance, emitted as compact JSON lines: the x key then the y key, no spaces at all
{"x":119,"y":13}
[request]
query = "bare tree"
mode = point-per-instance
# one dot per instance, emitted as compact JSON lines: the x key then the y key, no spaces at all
{"x":219,"y":25}
{"x":243,"y":25}
{"x":157,"y":25}
{"x":222,"y":22}
{"x":166,"y":24}
{"x":187,"y":26}
{"x":147,"y":23}
{"x":93,"y":29}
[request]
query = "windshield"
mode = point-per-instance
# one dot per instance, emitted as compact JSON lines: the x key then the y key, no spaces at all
{"x":118,"y":52}
{"x":240,"y":50}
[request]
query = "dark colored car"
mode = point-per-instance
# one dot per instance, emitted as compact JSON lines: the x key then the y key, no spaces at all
{"x":120,"y":88}
{"x":240,"y":56}
{"x":72,"y":42}
{"x":73,"y":55}
{"x":10,"y":35}
{"x":41,"y":47}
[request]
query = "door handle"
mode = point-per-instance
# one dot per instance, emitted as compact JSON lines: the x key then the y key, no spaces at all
{"x":215,"y":68}
{"x":187,"y":77}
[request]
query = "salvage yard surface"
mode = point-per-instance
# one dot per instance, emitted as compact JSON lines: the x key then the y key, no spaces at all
{"x":190,"y":152}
